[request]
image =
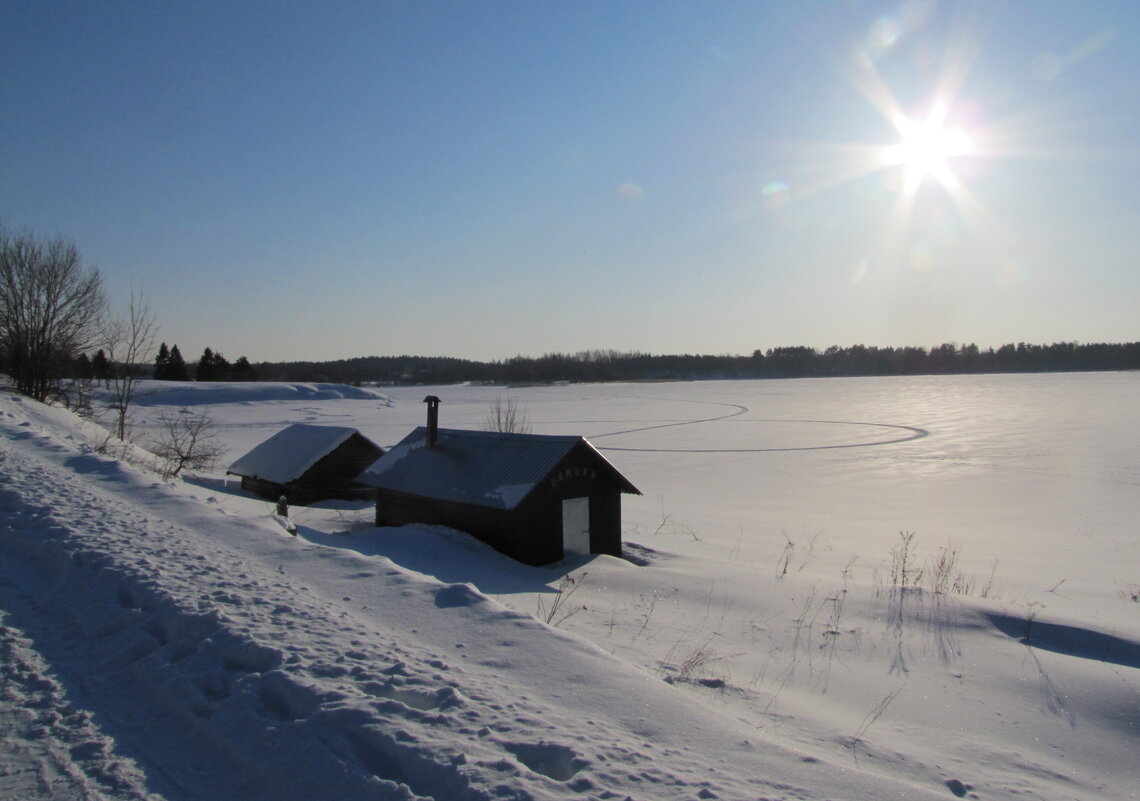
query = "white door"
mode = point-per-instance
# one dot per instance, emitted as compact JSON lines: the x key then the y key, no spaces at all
{"x":575,"y":526}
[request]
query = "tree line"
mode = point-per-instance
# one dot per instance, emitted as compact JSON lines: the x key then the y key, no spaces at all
{"x":212,"y":366}
{"x":780,"y":362}
{"x":169,"y":365}
{"x":56,"y":327}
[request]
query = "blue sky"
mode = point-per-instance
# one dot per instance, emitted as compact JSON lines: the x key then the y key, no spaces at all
{"x":322,"y":180}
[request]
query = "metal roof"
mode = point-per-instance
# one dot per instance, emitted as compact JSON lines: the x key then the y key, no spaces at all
{"x":484,"y":468}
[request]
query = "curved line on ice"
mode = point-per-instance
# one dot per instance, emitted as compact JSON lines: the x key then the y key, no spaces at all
{"x":739,"y":411}
{"x":914,"y":433}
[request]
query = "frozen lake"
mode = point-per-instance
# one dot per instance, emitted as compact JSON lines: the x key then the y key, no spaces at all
{"x":1040,"y":472}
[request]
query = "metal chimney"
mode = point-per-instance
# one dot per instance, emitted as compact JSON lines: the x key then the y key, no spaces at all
{"x":432,"y":420}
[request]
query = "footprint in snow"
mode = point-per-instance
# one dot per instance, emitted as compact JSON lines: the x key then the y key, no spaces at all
{"x":558,"y":762}
{"x":420,"y":699}
{"x":958,"y":788}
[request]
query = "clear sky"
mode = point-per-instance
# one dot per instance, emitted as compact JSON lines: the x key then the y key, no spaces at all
{"x":322,"y":180}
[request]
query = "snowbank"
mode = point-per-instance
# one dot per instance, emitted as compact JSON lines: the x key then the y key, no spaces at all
{"x":193,"y":393}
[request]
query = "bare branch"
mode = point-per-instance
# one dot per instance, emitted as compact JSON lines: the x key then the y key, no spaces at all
{"x":128,"y":341}
{"x":186,"y":441}
{"x":50,"y":309}
{"x":506,"y":416}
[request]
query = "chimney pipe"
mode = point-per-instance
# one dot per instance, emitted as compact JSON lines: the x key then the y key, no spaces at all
{"x":432,"y":420}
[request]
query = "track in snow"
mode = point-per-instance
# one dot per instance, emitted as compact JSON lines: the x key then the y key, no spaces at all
{"x":911,"y":433}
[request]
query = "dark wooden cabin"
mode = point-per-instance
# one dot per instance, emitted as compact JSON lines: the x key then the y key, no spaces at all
{"x":535,"y":498}
{"x":308,"y":463}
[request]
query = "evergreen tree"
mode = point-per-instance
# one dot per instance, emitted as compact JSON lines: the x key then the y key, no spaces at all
{"x":162,"y":364}
{"x":176,"y":366}
{"x":212,"y":367}
{"x":83,"y":369}
{"x":101,"y":367}
{"x":205,"y":370}
{"x":221,"y":367}
{"x":242,"y":370}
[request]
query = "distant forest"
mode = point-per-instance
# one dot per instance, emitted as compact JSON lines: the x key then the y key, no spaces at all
{"x":785,"y":362}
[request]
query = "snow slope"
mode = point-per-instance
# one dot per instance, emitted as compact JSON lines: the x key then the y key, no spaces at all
{"x":171,"y":641}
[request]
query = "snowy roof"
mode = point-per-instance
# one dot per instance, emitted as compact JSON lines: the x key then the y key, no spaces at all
{"x":290,"y":452}
{"x":486,"y":468}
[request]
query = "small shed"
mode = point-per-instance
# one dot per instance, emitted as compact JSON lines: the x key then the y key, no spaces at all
{"x":308,"y":463}
{"x":534,"y":497}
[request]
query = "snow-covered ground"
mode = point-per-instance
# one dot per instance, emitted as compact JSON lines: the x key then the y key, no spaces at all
{"x":169,"y":640}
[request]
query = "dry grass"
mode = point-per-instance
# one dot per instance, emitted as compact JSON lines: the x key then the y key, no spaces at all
{"x":785,"y":557}
{"x":904,"y":572}
{"x":939,"y":573}
{"x":559,"y":609}
{"x":694,"y":666}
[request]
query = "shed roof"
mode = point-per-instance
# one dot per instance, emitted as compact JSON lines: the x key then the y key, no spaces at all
{"x":289,"y":453}
{"x":485,"y":468}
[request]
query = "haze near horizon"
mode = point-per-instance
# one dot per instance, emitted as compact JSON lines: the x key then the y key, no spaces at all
{"x":309,"y":181}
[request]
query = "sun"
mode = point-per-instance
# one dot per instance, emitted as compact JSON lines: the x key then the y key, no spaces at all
{"x":932,"y":140}
{"x":925,"y":149}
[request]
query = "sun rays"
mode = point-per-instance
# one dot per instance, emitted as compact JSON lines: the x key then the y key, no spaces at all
{"x":921,"y":175}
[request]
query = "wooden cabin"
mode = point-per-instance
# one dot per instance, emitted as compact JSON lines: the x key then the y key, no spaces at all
{"x":535,"y":498}
{"x":308,"y":463}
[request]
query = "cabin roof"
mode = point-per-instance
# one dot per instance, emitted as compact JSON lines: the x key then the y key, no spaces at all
{"x":292,"y":451}
{"x":484,"y":468}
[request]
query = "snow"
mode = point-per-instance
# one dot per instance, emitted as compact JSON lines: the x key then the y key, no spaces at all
{"x":181,"y":393}
{"x":510,"y":495}
{"x":286,"y":455}
{"x":169,"y":640}
{"x":393,"y":456}
{"x":486,"y":468}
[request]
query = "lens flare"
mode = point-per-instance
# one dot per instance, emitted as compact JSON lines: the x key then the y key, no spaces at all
{"x":775,"y":194}
{"x":630,"y":192}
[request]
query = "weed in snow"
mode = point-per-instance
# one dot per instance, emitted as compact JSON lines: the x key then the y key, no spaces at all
{"x":557,"y":612}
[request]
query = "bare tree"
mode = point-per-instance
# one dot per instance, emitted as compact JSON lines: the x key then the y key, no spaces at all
{"x":506,"y":416}
{"x":186,"y":441}
{"x":128,"y":340}
{"x":50,"y":309}
{"x":77,"y":394}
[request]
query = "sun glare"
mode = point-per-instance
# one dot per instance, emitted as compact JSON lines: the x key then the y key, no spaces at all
{"x":940,"y":140}
{"x":925,"y":149}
